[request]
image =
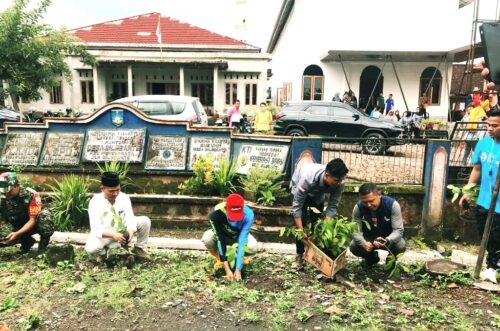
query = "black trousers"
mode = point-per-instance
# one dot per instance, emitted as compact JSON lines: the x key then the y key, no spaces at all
{"x":493,"y":247}
{"x":309,"y":217}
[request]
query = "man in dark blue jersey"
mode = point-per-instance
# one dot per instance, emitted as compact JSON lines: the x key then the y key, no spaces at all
{"x":380,"y":225}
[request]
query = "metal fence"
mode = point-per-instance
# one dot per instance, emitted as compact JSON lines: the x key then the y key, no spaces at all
{"x":394,"y":161}
{"x":464,"y":138}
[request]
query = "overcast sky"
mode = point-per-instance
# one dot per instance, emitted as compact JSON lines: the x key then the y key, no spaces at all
{"x":220,"y":16}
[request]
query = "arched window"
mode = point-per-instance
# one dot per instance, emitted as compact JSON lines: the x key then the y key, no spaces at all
{"x":430,"y":88}
{"x":312,"y":83}
{"x":367,"y":82}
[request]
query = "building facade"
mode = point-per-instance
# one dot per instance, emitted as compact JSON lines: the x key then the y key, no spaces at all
{"x":154,"y":54}
{"x":404,"y":48}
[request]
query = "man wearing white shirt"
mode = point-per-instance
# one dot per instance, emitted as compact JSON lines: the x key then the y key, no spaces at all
{"x":110,"y":210}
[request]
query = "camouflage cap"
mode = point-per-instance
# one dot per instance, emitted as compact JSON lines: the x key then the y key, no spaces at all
{"x":7,"y":181}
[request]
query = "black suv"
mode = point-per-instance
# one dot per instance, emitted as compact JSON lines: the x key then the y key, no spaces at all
{"x":336,"y":119}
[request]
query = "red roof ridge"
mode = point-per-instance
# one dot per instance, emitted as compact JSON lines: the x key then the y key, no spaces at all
{"x":174,"y":32}
{"x":115,"y":20}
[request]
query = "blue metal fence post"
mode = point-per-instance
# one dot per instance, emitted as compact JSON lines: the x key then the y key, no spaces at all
{"x":436,"y":162}
{"x":305,"y":149}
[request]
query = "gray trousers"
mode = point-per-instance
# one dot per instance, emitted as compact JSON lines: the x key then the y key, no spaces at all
{"x":395,"y":247}
{"x":98,"y":246}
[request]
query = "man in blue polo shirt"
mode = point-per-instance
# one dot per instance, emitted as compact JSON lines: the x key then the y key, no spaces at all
{"x":231,"y":222}
{"x":485,"y":159}
{"x":380,"y":225}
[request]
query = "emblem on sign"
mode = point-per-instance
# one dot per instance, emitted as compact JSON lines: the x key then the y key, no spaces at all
{"x":117,"y":117}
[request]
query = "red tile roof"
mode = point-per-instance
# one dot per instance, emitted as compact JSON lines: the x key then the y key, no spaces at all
{"x":142,"y":29}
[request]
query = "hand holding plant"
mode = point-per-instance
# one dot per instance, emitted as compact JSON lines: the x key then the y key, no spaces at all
{"x":469,"y":194}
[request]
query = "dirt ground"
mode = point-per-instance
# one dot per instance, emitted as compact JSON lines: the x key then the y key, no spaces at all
{"x":179,"y":291}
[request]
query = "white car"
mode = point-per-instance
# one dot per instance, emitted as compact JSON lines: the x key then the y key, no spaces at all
{"x":170,"y":107}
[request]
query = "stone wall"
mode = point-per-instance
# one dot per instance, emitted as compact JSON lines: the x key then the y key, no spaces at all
{"x":156,"y":196}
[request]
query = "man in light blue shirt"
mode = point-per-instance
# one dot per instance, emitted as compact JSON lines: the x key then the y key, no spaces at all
{"x":486,"y":159}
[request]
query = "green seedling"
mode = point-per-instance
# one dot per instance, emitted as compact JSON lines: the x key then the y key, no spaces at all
{"x":251,"y":316}
{"x":8,"y":303}
{"x":472,"y":190}
{"x":333,"y":235}
{"x":30,"y":322}
{"x":231,"y":253}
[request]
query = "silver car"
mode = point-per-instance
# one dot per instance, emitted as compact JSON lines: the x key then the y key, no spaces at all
{"x":170,"y":107}
{"x":8,"y":115}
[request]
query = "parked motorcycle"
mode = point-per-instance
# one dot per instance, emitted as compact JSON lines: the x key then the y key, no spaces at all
{"x":32,"y":116}
{"x":244,"y":126}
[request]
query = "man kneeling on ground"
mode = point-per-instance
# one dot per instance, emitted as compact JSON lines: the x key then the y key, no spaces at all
{"x":380,"y":225}
{"x":105,"y":209}
{"x":22,"y":208}
{"x":231,"y":222}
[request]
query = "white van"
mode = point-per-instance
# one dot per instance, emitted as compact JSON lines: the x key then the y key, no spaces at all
{"x":170,"y":107}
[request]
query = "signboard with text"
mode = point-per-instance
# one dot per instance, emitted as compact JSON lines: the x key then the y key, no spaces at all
{"x":62,"y":149}
{"x":265,"y":156}
{"x":215,"y":147}
{"x":115,"y":145}
{"x":166,"y":153}
{"x":22,"y":148}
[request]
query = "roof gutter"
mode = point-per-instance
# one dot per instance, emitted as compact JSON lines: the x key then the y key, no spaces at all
{"x":285,"y":11}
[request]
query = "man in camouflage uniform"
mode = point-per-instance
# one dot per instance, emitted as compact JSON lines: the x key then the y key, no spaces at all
{"x":22,"y":209}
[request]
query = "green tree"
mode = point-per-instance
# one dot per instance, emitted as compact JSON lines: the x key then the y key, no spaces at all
{"x":32,"y":53}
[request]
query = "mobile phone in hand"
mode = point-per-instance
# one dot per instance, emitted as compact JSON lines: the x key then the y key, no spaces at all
{"x":490,"y":39}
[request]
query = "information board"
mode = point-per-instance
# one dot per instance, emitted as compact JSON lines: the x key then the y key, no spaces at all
{"x":265,"y":156}
{"x":166,"y":153}
{"x":216,"y":147}
{"x":62,"y":149}
{"x":22,"y":148}
{"x":115,"y":145}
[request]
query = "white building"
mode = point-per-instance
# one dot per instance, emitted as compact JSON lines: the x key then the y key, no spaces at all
{"x":321,"y":47}
{"x":154,"y":54}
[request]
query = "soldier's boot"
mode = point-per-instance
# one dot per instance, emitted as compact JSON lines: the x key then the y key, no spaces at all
{"x":26,"y":244}
{"x":42,"y":245}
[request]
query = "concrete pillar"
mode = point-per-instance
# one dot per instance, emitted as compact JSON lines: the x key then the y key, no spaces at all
{"x":437,"y":154}
{"x":130,"y":80}
{"x":216,"y":89}
{"x":261,"y":87}
{"x":181,"y":81}
{"x":96,"y":88}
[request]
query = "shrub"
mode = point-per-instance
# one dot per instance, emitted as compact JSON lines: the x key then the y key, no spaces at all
{"x":208,"y":180}
{"x":264,"y":184}
{"x":224,"y":176}
{"x":70,"y":202}
{"x":120,"y":168}
{"x":202,"y":181}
